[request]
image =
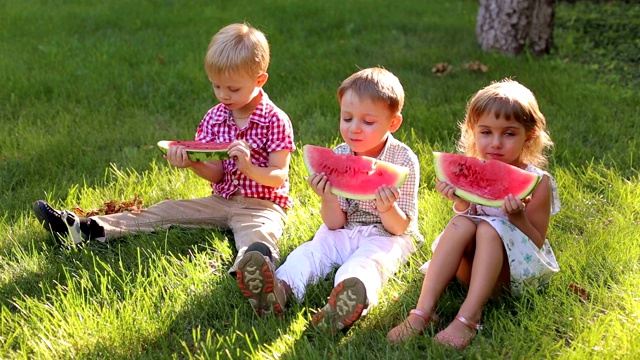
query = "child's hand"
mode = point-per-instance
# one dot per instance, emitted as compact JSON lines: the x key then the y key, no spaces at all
{"x":241,"y":151}
{"x":177,"y":156}
{"x":446,"y":190}
{"x":513,"y":206}
{"x":320,"y":185}
{"x":386,"y":196}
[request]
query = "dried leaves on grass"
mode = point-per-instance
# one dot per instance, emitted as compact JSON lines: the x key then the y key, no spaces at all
{"x":581,"y":292}
{"x":477,"y":66}
{"x":444,"y":68}
{"x":441,"y":69}
{"x":112,"y":207}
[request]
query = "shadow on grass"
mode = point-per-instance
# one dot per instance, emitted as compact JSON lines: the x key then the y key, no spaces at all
{"x":228,"y":328}
{"x":29,"y":284}
{"x":32,"y":270}
{"x":370,"y":333}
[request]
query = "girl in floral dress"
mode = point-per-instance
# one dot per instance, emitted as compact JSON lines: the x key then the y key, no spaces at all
{"x":491,"y":249}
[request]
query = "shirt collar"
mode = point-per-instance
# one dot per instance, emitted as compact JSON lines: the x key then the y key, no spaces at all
{"x":257,"y":116}
{"x":383,"y":153}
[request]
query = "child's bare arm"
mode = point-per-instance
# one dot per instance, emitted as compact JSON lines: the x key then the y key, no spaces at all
{"x":533,"y":221}
{"x":332,"y":215}
{"x":447,"y":191}
{"x":211,"y":171}
{"x":273,"y":175}
{"x":393,"y":218}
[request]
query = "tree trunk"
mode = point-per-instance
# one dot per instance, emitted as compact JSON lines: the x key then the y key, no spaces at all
{"x":541,"y":30}
{"x":507,"y":25}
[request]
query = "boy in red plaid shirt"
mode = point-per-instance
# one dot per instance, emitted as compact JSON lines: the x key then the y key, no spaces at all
{"x":249,"y":190}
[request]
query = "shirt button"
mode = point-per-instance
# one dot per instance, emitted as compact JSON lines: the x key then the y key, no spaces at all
{"x":254,"y":146}
{"x":235,"y":182}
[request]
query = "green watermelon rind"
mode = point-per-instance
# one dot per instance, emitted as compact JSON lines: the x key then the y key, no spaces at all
{"x":197,"y":155}
{"x":401,"y":171}
{"x":466,"y":195}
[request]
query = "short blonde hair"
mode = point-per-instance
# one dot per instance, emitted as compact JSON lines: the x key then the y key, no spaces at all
{"x":508,"y":99}
{"x":376,"y":84}
{"x":237,"y":48}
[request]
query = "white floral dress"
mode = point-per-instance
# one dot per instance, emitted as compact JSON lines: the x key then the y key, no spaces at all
{"x":529,"y":266}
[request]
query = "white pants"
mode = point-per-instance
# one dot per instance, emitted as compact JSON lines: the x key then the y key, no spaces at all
{"x":359,"y":252}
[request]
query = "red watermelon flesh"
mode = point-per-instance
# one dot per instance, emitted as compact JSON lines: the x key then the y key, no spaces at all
{"x":484,"y":182}
{"x":197,"y":150}
{"x":351,"y":176}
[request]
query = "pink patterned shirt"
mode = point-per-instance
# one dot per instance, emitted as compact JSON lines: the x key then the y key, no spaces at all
{"x":268,"y":129}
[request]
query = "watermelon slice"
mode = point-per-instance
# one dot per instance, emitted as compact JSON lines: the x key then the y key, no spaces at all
{"x":199,"y":151}
{"x":351,"y":176}
{"x":484,"y":182}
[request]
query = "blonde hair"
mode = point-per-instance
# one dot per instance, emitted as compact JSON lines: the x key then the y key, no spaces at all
{"x":237,"y":48}
{"x":508,"y":99}
{"x":376,"y":84}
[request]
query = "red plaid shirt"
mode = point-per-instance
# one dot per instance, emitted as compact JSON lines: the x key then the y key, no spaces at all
{"x":269,"y":129}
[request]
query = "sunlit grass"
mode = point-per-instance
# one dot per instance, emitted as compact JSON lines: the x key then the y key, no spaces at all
{"x":90,"y":87}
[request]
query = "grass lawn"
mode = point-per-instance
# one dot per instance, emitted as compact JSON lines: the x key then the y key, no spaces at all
{"x":89,"y":87}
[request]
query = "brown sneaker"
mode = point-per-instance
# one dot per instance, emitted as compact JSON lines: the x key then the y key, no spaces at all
{"x":256,"y":277}
{"x":344,"y":306}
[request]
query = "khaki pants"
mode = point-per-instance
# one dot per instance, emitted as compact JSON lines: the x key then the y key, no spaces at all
{"x":249,"y":219}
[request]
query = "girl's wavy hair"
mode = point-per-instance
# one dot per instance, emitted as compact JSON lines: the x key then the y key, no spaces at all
{"x":237,"y":48}
{"x":508,"y":99}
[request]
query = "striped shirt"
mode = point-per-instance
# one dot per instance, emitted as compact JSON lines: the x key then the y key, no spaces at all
{"x":268,"y":129}
{"x":363,"y":212}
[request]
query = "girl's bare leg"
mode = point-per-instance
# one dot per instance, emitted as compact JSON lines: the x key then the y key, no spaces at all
{"x":489,"y":272}
{"x":456,"y":240}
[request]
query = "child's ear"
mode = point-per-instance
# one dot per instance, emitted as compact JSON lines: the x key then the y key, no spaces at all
{"x":530,"y":136}
{"x":396,"y":121}
{"x":262,"y":79}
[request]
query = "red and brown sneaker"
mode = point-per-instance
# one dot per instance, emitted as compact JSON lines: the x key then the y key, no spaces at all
{"x":344,"y":307}
{"x":256,"y":277}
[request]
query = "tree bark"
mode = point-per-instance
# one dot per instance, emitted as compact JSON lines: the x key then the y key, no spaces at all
{"x":507,"y":25}
{"x":541,"y":30}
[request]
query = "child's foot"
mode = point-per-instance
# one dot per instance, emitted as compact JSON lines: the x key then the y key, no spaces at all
{"x":65,"y":224}
{"x":344,"y":306}
{"x":459,"y":333}
{"x":256,"y":277}
{"x":412,"y":326}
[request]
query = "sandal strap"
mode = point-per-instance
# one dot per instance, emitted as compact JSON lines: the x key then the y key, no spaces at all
{"x":422,"y":314}
{"x":469,"y":324}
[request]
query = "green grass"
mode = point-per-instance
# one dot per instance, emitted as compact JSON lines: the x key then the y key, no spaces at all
{"x":89,"y":87}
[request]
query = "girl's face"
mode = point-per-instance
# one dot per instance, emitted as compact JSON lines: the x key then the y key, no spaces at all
{"x":236,"y":90}
{"x":500,"y":139}
{"x":365,"y":124}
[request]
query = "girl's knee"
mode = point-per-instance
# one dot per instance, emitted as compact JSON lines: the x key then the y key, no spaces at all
{"x":461,"y":224}
{"x":486,"y":231}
